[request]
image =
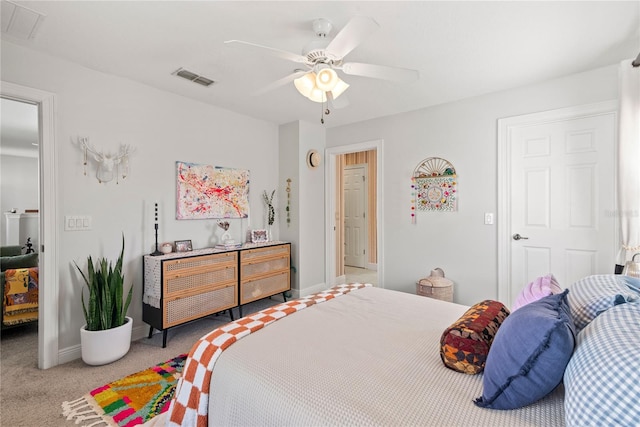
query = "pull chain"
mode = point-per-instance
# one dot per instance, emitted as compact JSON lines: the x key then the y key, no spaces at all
{"x":324,"y":111}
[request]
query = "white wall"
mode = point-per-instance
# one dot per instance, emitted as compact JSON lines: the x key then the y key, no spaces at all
{"x":290,"y":169}
{"x":19,"y":187}
{"x":312,"y":235}
{"x":465,"y":133}
{"x":306,"y":229}
{"x":163,"y":128}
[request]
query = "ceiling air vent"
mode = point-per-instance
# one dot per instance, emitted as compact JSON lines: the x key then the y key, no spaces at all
{"x":20,"y":21}
{"x":196,"y":78}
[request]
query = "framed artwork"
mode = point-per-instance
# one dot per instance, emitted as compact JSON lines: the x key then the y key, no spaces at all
{"x":183,"y":245}
{"x":259,"y":236}
{"x":205,"y":192}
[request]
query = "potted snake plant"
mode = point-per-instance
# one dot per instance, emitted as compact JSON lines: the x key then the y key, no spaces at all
{"x":106,"y":337}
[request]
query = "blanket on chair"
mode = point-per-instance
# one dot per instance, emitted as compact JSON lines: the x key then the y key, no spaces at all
{"x":189,"y":405}
{"x":20,"y":300}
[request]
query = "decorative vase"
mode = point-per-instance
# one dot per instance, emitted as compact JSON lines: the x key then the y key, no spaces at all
{"x":106,"y":346}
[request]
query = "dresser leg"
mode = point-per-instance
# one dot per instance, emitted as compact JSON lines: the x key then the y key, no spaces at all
{"x":284,"y":296}
{"x":231,"y":314}
{"x":164,"y":338}
{"x":240,"y":310}
{"x":150,"y":332}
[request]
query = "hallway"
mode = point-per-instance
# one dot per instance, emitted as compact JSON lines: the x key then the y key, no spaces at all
{"x":360,"y":275}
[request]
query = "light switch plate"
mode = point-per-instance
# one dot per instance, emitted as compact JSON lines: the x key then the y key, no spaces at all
{"x":488,"y":218}
{"x":77,"y":222}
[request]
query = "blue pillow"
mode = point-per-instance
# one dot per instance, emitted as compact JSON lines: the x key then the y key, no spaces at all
{"x":529,"y":354}
{"x":596,"y":294}
{"x":602,"y":377}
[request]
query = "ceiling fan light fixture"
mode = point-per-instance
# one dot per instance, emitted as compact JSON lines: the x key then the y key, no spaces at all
{"x":306,"y":83}
{"x":339,"y":88}
{"x":327,"y":79}
{"x":317,"y":95}
{"x":312,"y":87}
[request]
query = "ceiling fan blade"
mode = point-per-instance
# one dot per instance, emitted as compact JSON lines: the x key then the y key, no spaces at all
{"x":356,"y":30}
{"x":262,"y":49}
{"x":281,"y":82}
{"x":380,"y":72}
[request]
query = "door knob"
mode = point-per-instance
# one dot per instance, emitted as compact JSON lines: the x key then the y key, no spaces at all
{"x":519,"y":237}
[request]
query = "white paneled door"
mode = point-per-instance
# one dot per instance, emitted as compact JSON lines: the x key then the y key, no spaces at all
{"x":355,"y":226}
{"x":562,"y":199}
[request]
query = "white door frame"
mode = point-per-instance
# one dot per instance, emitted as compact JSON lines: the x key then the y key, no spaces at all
{"x":48,"y":262}
{"x":330,"y":205}
{"x":505,"y":127}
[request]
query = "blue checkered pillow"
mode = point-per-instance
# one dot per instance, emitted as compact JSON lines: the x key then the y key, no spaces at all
{"x":593,"y":295}
{"x":602,"y":379}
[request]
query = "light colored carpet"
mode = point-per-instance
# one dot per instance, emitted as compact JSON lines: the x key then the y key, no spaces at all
{"x":32,"y":397}
{"x":360,"y":275}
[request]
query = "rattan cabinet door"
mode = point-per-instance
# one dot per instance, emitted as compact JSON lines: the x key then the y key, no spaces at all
{"x":264,"y":272}
{"x":198,"y":286}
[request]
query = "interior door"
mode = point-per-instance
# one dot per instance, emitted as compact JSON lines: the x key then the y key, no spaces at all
{"x":355,"y":226}
{"x":562,"y":199}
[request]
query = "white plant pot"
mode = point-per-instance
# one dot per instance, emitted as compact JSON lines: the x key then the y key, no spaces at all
{"x":102,"y":347}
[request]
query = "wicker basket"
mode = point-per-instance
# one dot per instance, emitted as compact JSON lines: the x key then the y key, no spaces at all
{"x":435,"y":287}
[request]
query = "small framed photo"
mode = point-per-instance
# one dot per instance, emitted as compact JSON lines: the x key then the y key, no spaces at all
{"x":183,"y":245}
{"x":259,"y":236}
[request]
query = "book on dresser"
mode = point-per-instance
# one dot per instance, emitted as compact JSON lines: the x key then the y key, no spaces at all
{"x":181,"y":287}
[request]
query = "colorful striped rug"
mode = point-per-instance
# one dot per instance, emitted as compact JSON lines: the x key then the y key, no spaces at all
{"x":129,"y":401}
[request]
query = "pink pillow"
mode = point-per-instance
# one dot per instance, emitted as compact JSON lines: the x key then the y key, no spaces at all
{"x":540,"y":287}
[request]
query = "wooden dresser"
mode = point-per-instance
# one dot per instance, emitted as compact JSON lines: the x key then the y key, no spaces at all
{"x":180,"y":287}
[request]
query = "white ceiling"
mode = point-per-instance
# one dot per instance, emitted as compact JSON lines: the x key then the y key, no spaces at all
{"x":461,"y":49}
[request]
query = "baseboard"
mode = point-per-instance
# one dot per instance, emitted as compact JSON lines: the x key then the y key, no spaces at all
{"x":340,"y":280}
{"x":297,"y":293}
{"x":140,"y":332}
{"x":74,"y":352}
{"x":69,"y":354}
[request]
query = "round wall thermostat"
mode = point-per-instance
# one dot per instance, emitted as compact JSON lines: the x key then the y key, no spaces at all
{"x":313,"y":159}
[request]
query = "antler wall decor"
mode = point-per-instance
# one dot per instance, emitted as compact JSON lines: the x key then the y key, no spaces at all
{"x":109,"y":165}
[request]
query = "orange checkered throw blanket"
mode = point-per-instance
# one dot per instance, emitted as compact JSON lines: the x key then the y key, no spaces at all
{"x":190,"y":403}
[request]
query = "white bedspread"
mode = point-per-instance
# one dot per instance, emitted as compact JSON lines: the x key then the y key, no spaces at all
{"x":370,"y":357}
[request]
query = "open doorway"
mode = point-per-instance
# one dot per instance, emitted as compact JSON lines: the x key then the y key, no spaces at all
{"x":47,"y":218}
{"x":354,"y":213}
{"x":19,"y":221}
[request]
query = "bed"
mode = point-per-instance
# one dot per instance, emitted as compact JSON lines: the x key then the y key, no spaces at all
{"x":374,"y":360}
{"x":354,"y":355}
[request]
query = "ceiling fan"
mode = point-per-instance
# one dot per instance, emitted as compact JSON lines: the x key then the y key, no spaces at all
{"x":316,"y":78}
